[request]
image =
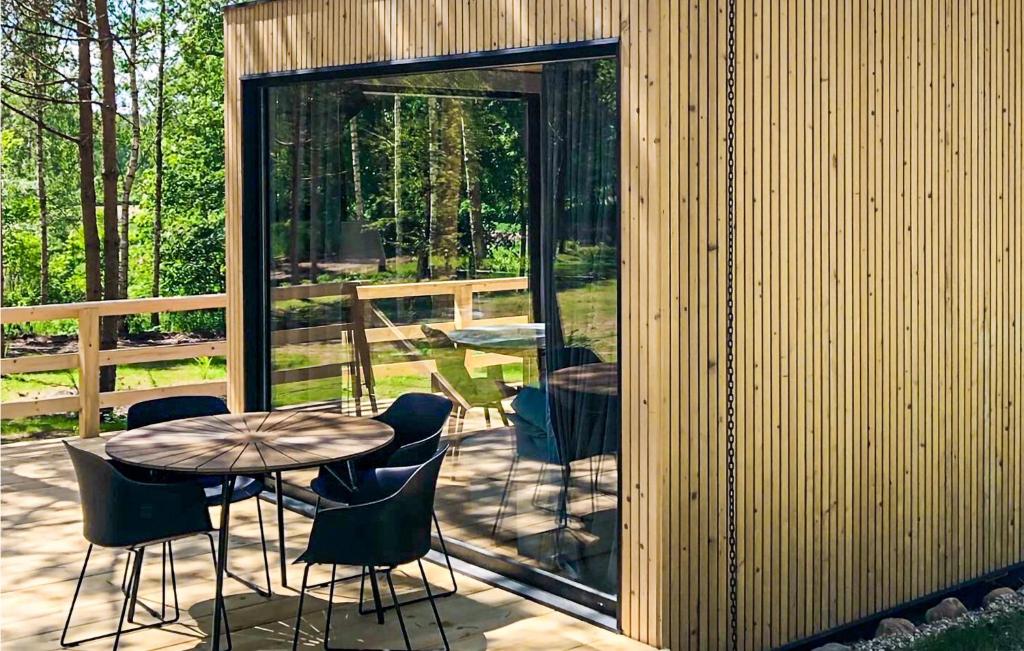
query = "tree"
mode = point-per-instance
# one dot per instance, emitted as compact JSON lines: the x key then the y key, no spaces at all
{"x":471,"y":164}
{"x":396,"y":166}
{"x":108,"y":126}
{"x":158,"y":191}
{"x":87,"y":153}
{"x":298,"y":140}
{"x":133,"y":155}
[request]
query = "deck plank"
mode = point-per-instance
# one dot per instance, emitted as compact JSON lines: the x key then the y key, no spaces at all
{"x":43,"y":548}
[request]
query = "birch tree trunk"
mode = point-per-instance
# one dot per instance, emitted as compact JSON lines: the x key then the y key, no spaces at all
{"x":133,"y":153}
{"x":357,"y":177}
{"x":396,"y":180}
{"x":158,"y":191}
{"x":471,"y":165}
{"x":108,"y":123}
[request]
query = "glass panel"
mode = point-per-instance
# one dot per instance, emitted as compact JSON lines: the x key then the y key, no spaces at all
{"x":457,"y":233}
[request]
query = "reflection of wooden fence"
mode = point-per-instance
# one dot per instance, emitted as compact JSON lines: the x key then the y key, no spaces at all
{"x":89,"y":358}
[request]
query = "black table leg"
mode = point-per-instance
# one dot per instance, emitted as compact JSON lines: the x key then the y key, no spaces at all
{"x":282,"y":550}
{"x":219,"y":608}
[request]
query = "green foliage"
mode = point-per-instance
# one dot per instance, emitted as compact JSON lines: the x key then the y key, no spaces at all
{"x":194,"y":254}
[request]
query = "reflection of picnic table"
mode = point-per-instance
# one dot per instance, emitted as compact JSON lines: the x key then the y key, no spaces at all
{"x":502,"y":338}
{"x":518,"y":339}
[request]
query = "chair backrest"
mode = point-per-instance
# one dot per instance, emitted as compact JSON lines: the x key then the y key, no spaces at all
{"x":416,"y":416}
{"x":161,"y":410}
{"x":390,"y":531}
{"x":415,"y":453}
{"x":118,"y":511}
{"x":584,"y":424}
{"x":558,"y":358}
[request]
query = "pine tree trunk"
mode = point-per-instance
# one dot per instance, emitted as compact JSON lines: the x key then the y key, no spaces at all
{"x":158,"y":191}
{"x":446,"y":188}
{"x":108,"y":123}
{"x":133,"y":160}
{"x":44,"y":213}
{"x":298,"y":138}
{"x":315,"y":188}
{"x":86,"y":153}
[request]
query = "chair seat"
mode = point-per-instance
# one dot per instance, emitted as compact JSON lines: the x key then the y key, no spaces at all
{"x":369,"y":488}
{"x":245,"y":487}
{"x":331,"y":489}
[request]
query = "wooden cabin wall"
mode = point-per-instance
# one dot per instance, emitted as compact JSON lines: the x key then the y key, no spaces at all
{"x":879,"y":285}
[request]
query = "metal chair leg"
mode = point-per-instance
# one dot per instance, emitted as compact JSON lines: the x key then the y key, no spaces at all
{"x":227,"y":625}
{"x":504,"y":495}
{"x":263,"y":542}
{"x":372,"y":571}
{"x":398,"y":609}
{"x":131,"y":587}
{"x":141,"y":555}
{"x":263,"y":592}
{"x":298,"y":615}
{"x":130,"y":591}
{"x":433,"y":606}
{"x":447,"y":558}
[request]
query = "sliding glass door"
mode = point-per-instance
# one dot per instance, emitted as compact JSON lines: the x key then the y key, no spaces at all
{"x":457,"y":233}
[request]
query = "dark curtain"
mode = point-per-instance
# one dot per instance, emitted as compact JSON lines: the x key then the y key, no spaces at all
{"x":579,"y":155}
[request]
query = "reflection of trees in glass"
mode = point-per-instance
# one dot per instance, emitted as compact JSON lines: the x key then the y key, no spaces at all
{"x":438,"y":184}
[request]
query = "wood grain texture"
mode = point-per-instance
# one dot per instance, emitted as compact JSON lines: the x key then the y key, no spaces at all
{"x":879,"y":297}
{"x":250,"y":443}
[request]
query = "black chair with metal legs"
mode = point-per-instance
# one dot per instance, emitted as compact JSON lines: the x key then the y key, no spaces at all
{"x":418,"y":420}
{"x":121,"y":513}
{"x":379,"y":536}
{"x":162,"y":410}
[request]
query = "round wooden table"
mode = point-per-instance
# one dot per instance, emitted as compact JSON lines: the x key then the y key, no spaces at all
{"x":255,"y":443}
{"x":601,"y":378}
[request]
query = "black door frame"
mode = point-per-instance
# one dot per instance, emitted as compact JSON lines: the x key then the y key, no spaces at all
{"x":255,"y":188}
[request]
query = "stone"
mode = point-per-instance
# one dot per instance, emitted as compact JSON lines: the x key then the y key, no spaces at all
{"x":833,"y":646}
{"x":891,"y":626}
{"x":948,"y":608}
{"x":997,"y":594}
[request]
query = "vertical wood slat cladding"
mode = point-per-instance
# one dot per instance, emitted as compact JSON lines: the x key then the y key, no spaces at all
{"x":879,"y":294}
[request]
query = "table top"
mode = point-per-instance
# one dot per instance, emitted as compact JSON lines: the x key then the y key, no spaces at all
{"x":249,"y":443}
{"x":601,"y":378}
{"x":512,"y":336}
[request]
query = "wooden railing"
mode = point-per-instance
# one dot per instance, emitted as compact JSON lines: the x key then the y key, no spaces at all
{"x":90,"y":400}
{"x":90,"y":358}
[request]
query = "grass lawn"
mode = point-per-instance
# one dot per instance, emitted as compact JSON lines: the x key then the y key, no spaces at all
{"x":25,"y":386}
{"x":1002,"y":632}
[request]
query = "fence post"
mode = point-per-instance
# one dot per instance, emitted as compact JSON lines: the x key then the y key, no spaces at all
{"x":88,"y":373}
{"x":463,"y":306}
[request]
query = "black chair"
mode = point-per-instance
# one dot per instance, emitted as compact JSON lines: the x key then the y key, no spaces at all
{"x":546,"y":432}
{"x":121,"y":513}
{"x":418,"y":420}
{"x":365,"y":535}
{"x":162,"y":410}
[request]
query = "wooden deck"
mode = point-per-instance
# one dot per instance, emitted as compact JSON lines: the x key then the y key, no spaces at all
{"x":42,"y":551}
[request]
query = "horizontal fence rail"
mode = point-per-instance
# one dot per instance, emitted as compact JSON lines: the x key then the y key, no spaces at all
{"x":89,"y":358}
